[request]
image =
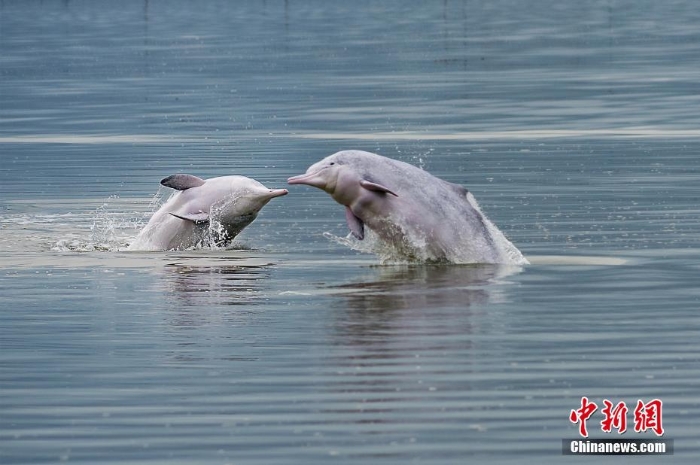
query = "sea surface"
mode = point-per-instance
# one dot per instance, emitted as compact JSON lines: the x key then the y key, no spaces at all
{"x":576,"y":125}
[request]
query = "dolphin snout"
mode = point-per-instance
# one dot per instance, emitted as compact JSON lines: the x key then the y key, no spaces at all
{"x":278,"y":193}
{"x":317,"y":178}
{"x":300,"y":179}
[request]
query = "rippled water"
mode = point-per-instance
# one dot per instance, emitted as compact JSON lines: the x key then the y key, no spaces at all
{"x":575,"y":126}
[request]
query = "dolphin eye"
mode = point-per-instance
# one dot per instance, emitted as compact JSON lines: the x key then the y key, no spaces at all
{"x":332,"y":163}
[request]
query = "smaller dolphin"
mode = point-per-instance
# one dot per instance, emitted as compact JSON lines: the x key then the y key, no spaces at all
{"x":423,"y":218}
{"x":204,"y":211}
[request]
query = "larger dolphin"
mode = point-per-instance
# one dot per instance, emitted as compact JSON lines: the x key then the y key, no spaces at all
{"x":204,"y":211}
{"x":422,"y":217}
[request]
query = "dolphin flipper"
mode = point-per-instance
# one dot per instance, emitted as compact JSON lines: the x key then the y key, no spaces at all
{"x":197,"y":218}
{"x":374,"y":187}
{"x":182,"y":182}
{"x":357,"y":227}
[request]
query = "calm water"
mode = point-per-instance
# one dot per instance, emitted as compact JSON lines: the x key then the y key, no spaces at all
{"x":574,"y":125}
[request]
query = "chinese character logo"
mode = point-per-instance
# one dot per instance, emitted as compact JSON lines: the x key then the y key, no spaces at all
{"x":614,"y":417}
{"x":647,"y":416}
{"x":581,"y":415}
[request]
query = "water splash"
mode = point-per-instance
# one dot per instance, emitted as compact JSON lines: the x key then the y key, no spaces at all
{"x":419,"y":160}
{"x":411,"y":252}
{"x":110,"y":230}
{"x":414,"y":248}
{"x":506,"y":247}
{"x":215,"y":236}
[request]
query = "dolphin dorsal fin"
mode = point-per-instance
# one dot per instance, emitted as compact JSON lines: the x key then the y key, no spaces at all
{"x":459,"y":190}
{"x":374,"y":187}
{"x":182,"y":182}
{"x":196,"y":218}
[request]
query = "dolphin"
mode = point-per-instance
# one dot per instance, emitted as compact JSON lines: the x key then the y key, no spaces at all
{"x":204,"y":211}
{"x":422,"y":217}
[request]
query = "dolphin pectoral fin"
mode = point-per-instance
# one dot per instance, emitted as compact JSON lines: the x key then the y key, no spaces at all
{"x":197,"y":218}
{"x":182,"y":182}
{"x":357,"y":227}
{"x":374,"y":187}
